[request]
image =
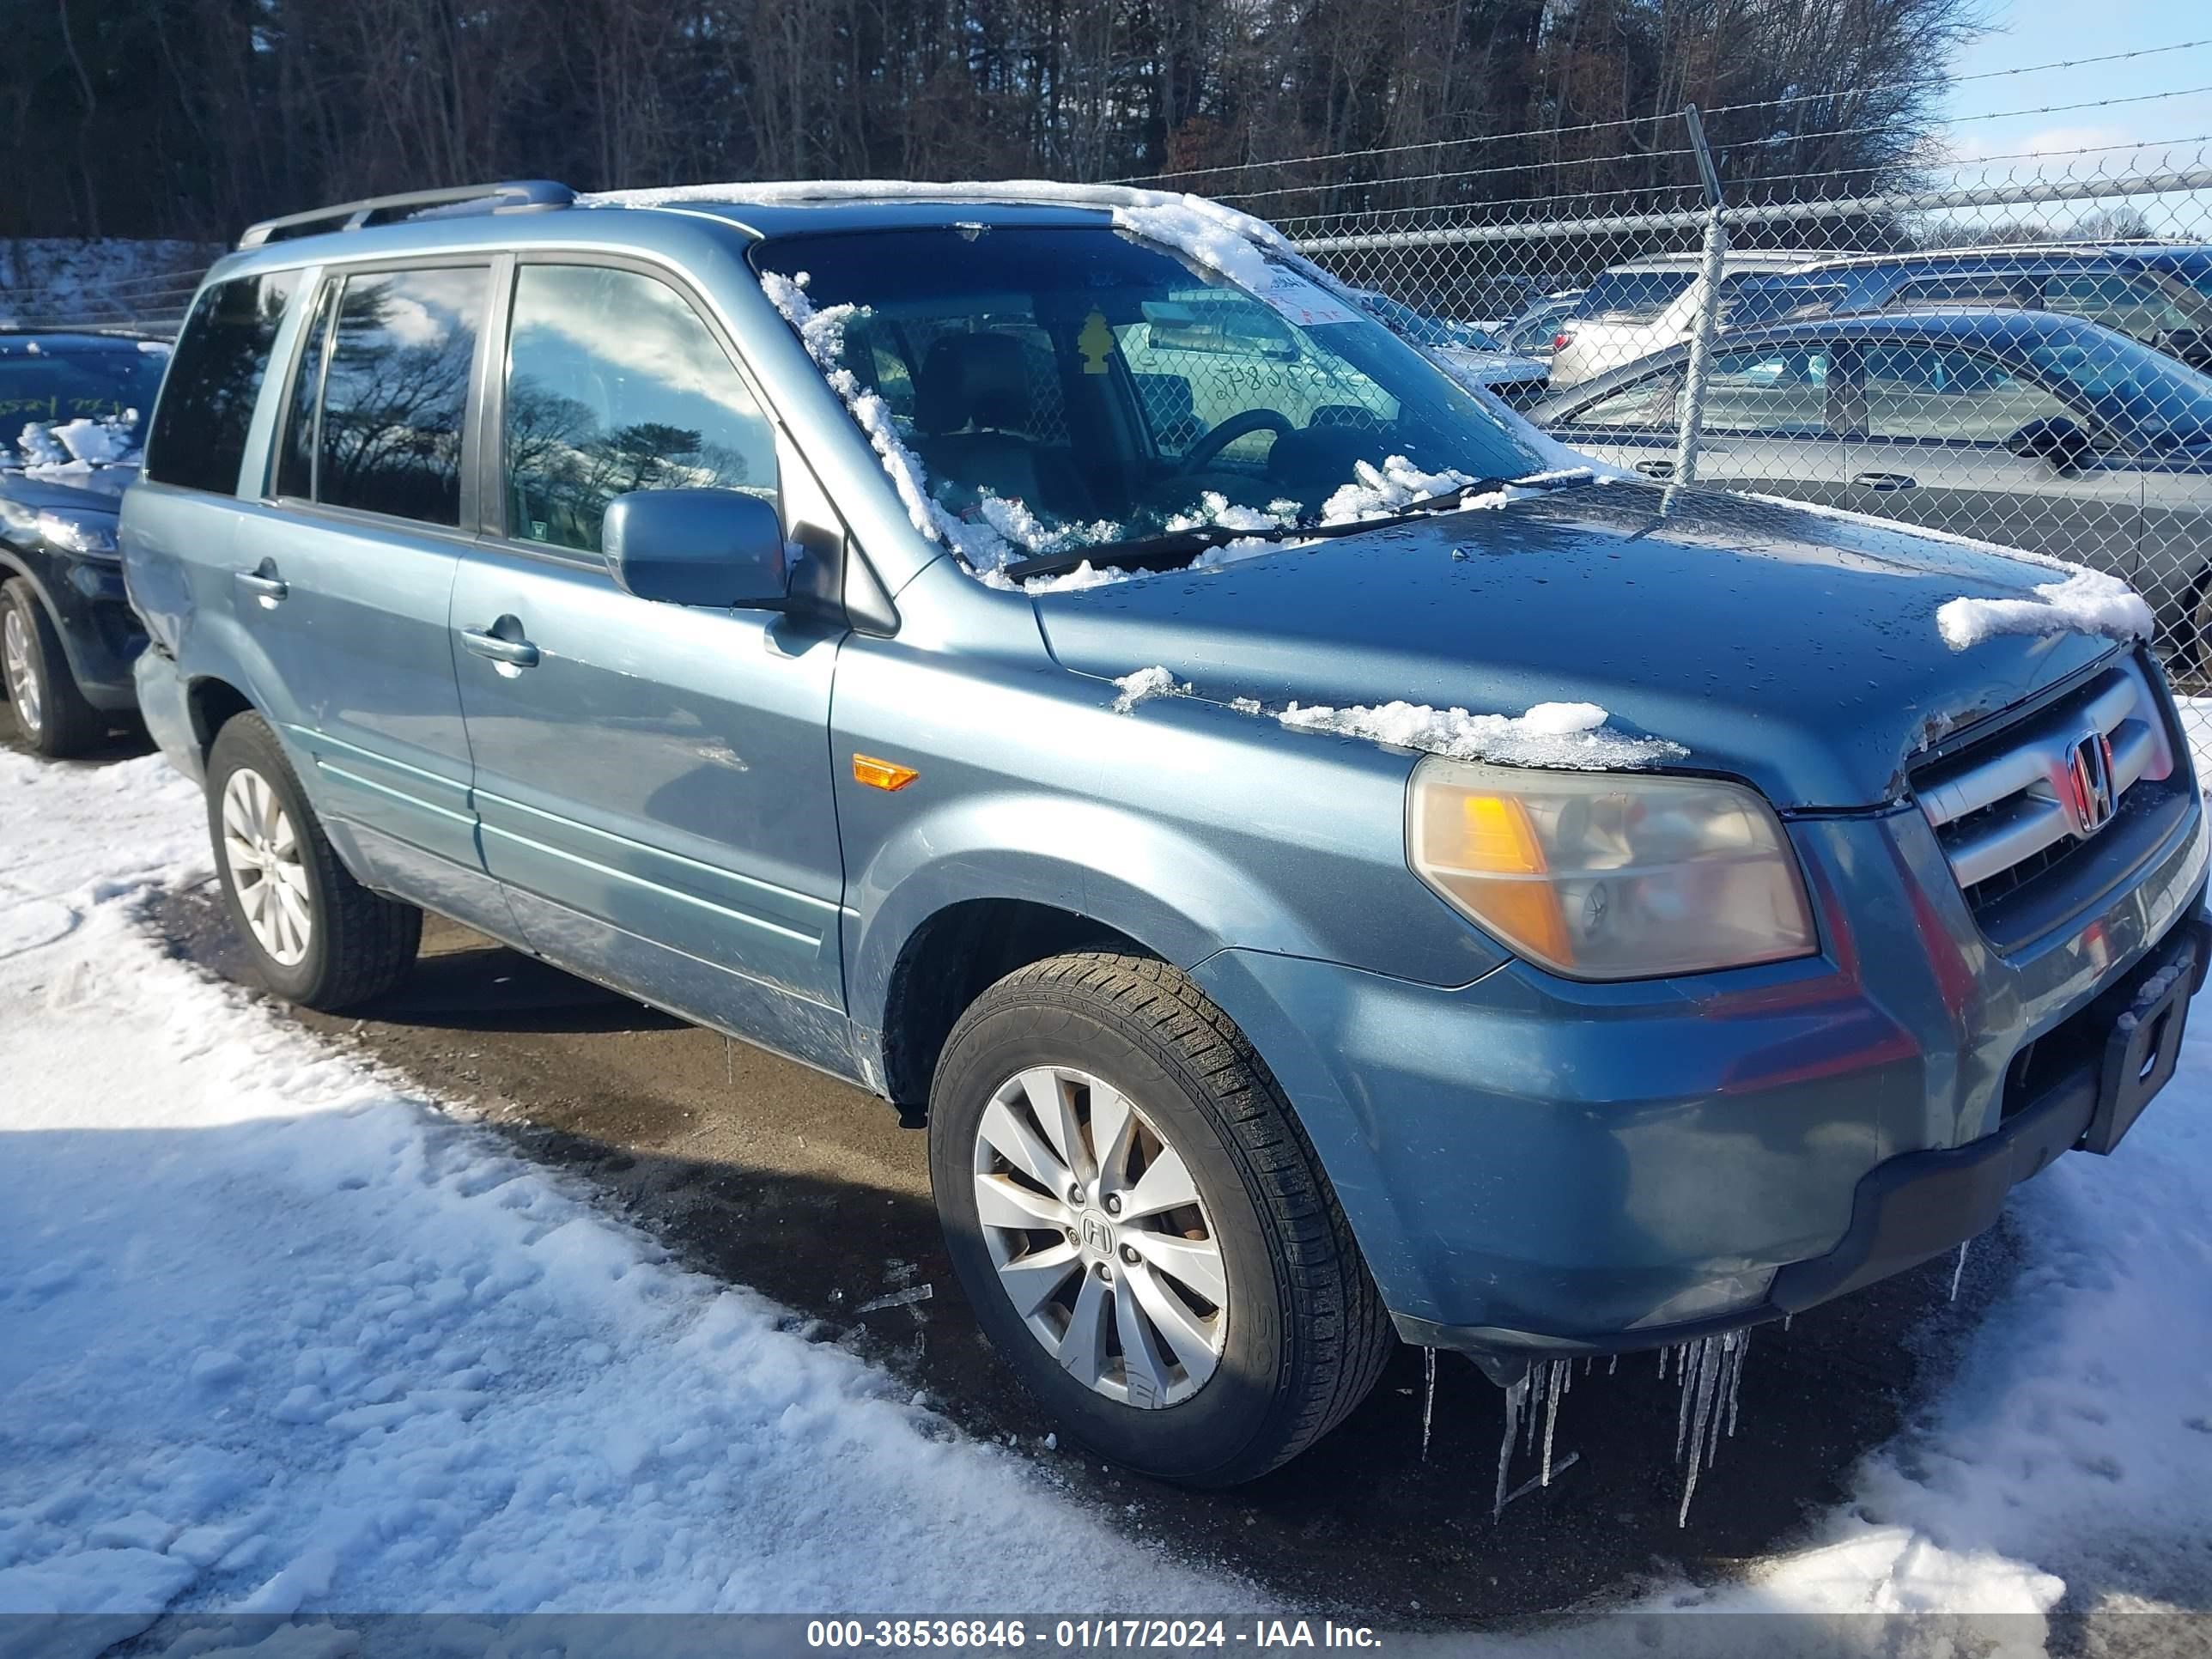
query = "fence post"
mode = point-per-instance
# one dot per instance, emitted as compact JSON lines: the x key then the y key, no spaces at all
{"x":1701,"y":338}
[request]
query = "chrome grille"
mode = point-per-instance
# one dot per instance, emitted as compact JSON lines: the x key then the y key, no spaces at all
{"x":2009,"y":808}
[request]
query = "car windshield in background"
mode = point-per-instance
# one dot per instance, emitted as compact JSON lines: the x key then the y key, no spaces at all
{"x":2152,"y":401}
{"x":47,"y":383}
{"x":1635,"y":293}
{"x":1071,"y":386}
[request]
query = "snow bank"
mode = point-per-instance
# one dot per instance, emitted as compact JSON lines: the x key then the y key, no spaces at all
{"x":2086,"y":602}
{"x":280,"y":1337}
{"x":1554,"y":734}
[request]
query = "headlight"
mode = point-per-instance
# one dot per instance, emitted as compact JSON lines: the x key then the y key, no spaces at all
{"x":75,"y":533}
{"x":1610,"y":875}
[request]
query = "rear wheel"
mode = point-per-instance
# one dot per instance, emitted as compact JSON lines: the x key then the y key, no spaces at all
{"x":51,"y":713}
{"x":316,"y":935}
{"x":1144,"y":1231}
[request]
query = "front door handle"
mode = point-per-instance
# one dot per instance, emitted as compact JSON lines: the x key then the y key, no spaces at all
{"x":265,"y":584}
{"x":1886,"y":480}
{"x":510,"y":653}
{"x":1655,"y":469}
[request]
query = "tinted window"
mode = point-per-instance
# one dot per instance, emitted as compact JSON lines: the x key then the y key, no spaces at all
{"x":1638,"y":294}
{"x":1769,"y":389}
{"x":207,"y":402}
{"x":1648,"y":401}
{"x":1924,"y":392}
{"x":1966,"y":288}
{"x":395,"y":393}
{"x":2133,"y":304}
{"x":615,"y":385}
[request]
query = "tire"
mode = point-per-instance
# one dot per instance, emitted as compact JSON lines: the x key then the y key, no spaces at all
{"x":51,"y":714}
{"x":1298,"y":1335}
{"x":316,"y":936}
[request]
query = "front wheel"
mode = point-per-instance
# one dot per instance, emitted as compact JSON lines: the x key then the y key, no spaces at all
{"x":51,"y":715}
{"x":1144,"y":1230}
{"x":316,"y":935}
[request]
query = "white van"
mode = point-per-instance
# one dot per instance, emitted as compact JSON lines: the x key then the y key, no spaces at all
{"x":1639,"y":307}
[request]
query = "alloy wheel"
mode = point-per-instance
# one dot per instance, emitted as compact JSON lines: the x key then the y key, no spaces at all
{"x":15,"y":665}
{"x":1099,"y":1236}
{"x":263,"y":850}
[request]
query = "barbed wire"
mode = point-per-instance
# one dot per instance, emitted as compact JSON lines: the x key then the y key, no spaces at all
{"x":1928,"y":82}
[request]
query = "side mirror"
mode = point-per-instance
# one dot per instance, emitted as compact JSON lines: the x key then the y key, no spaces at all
{"x":717,"y":548}
{"x":2192,"y":346}
{"x":2056,"y":440}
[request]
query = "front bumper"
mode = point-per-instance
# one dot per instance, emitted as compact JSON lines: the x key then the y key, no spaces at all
{"x":1537,"y":1168}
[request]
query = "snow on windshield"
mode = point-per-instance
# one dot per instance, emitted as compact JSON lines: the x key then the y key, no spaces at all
{"x":62,"y":449}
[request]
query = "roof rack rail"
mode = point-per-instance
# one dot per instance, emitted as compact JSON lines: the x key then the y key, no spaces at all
{"x":511,"y":196}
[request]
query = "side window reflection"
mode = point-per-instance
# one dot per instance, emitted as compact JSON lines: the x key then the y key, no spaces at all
{"x":615,"y":385}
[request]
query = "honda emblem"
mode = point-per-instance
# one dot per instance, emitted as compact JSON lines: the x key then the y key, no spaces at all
{"x":2089,"y":783}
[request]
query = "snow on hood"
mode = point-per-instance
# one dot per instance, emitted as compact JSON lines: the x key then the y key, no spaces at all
{"x":1568,"y":735}
{"x":2086,"y":602}
{"x":1797,"y":652}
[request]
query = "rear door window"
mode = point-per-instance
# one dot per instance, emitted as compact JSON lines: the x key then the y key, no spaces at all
{"x":389,"y":430}
{"x":1635,"y":294}
{"x":615,"y":384}
{"x":1934,"y":393}
{"x":206,"y":407}
{"x":1774,"y":388}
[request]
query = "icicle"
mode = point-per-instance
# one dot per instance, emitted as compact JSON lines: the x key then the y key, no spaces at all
{"x":1552,"y":1414}
{"x":1692,"y":1356}
{"x":1613,"y":1365}
{"x":1958,"y":1269}
{"x":1514,"y":1398}
{"x":1428,"y":1400}
{"x":1735,"y":1380}
{"x":1539,"y":1381}
{"x":1700,"y":1389}
{"x":1786,"y":1318}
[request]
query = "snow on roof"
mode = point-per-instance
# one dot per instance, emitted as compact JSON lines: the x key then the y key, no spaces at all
{"x":1218,"y":237}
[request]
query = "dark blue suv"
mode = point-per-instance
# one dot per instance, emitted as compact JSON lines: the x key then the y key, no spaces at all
{"x":2160,"y":293}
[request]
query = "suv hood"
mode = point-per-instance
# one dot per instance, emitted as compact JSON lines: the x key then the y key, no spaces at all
{"x":72,"y":486}
{"x":1796,"y":650}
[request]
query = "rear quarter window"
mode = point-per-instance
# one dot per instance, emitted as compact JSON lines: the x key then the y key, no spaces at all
{"x":206,"y":406}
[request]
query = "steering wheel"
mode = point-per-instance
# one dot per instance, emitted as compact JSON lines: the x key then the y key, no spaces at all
{"x":1236,"y":425}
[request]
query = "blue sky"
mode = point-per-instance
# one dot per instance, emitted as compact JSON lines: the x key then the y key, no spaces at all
{"x":2027,"y":32}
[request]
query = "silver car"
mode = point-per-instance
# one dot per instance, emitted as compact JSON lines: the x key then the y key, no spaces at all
{"x":2026,"y":429}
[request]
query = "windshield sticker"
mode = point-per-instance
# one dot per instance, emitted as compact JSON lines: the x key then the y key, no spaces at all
{"x":1095,"y":342}
{"x":1307,"y":304}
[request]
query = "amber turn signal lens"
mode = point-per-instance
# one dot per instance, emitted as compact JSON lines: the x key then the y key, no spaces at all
{"x":882,"y":774}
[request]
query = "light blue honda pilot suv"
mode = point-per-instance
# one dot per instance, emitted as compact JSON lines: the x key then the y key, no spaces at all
{"x":1333,"y":869}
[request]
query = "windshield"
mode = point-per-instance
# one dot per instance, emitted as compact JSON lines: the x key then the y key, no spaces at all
{"x":47,"y":384}
{"x":1068,"y":386}
{"x":1635,"y":293}
{"x":2152,"y":401}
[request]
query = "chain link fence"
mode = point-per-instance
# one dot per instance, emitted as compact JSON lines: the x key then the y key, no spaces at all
{"x":2018,"y":357}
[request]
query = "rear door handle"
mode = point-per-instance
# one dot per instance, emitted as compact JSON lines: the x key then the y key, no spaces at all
{"x":513,"y":654}
{"x":1655,"y":469}
{"x":265,"y":585}
{"x":1886,"y":480}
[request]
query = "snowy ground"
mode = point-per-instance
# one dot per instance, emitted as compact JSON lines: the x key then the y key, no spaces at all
{"x":276,"y":1335}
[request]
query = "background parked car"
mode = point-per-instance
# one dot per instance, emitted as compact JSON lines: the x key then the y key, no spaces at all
{"x":70,"y":409}
{"x":1532,"y":332}
{"x":1462,"y":349}
{"x":2023,"y":427}
{"x":2159,"y":293}
{"x":1637,"y":307}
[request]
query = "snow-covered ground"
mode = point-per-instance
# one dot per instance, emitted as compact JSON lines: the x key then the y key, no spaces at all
{"x":274,"y":1336}
{"x":277,"y":1335}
